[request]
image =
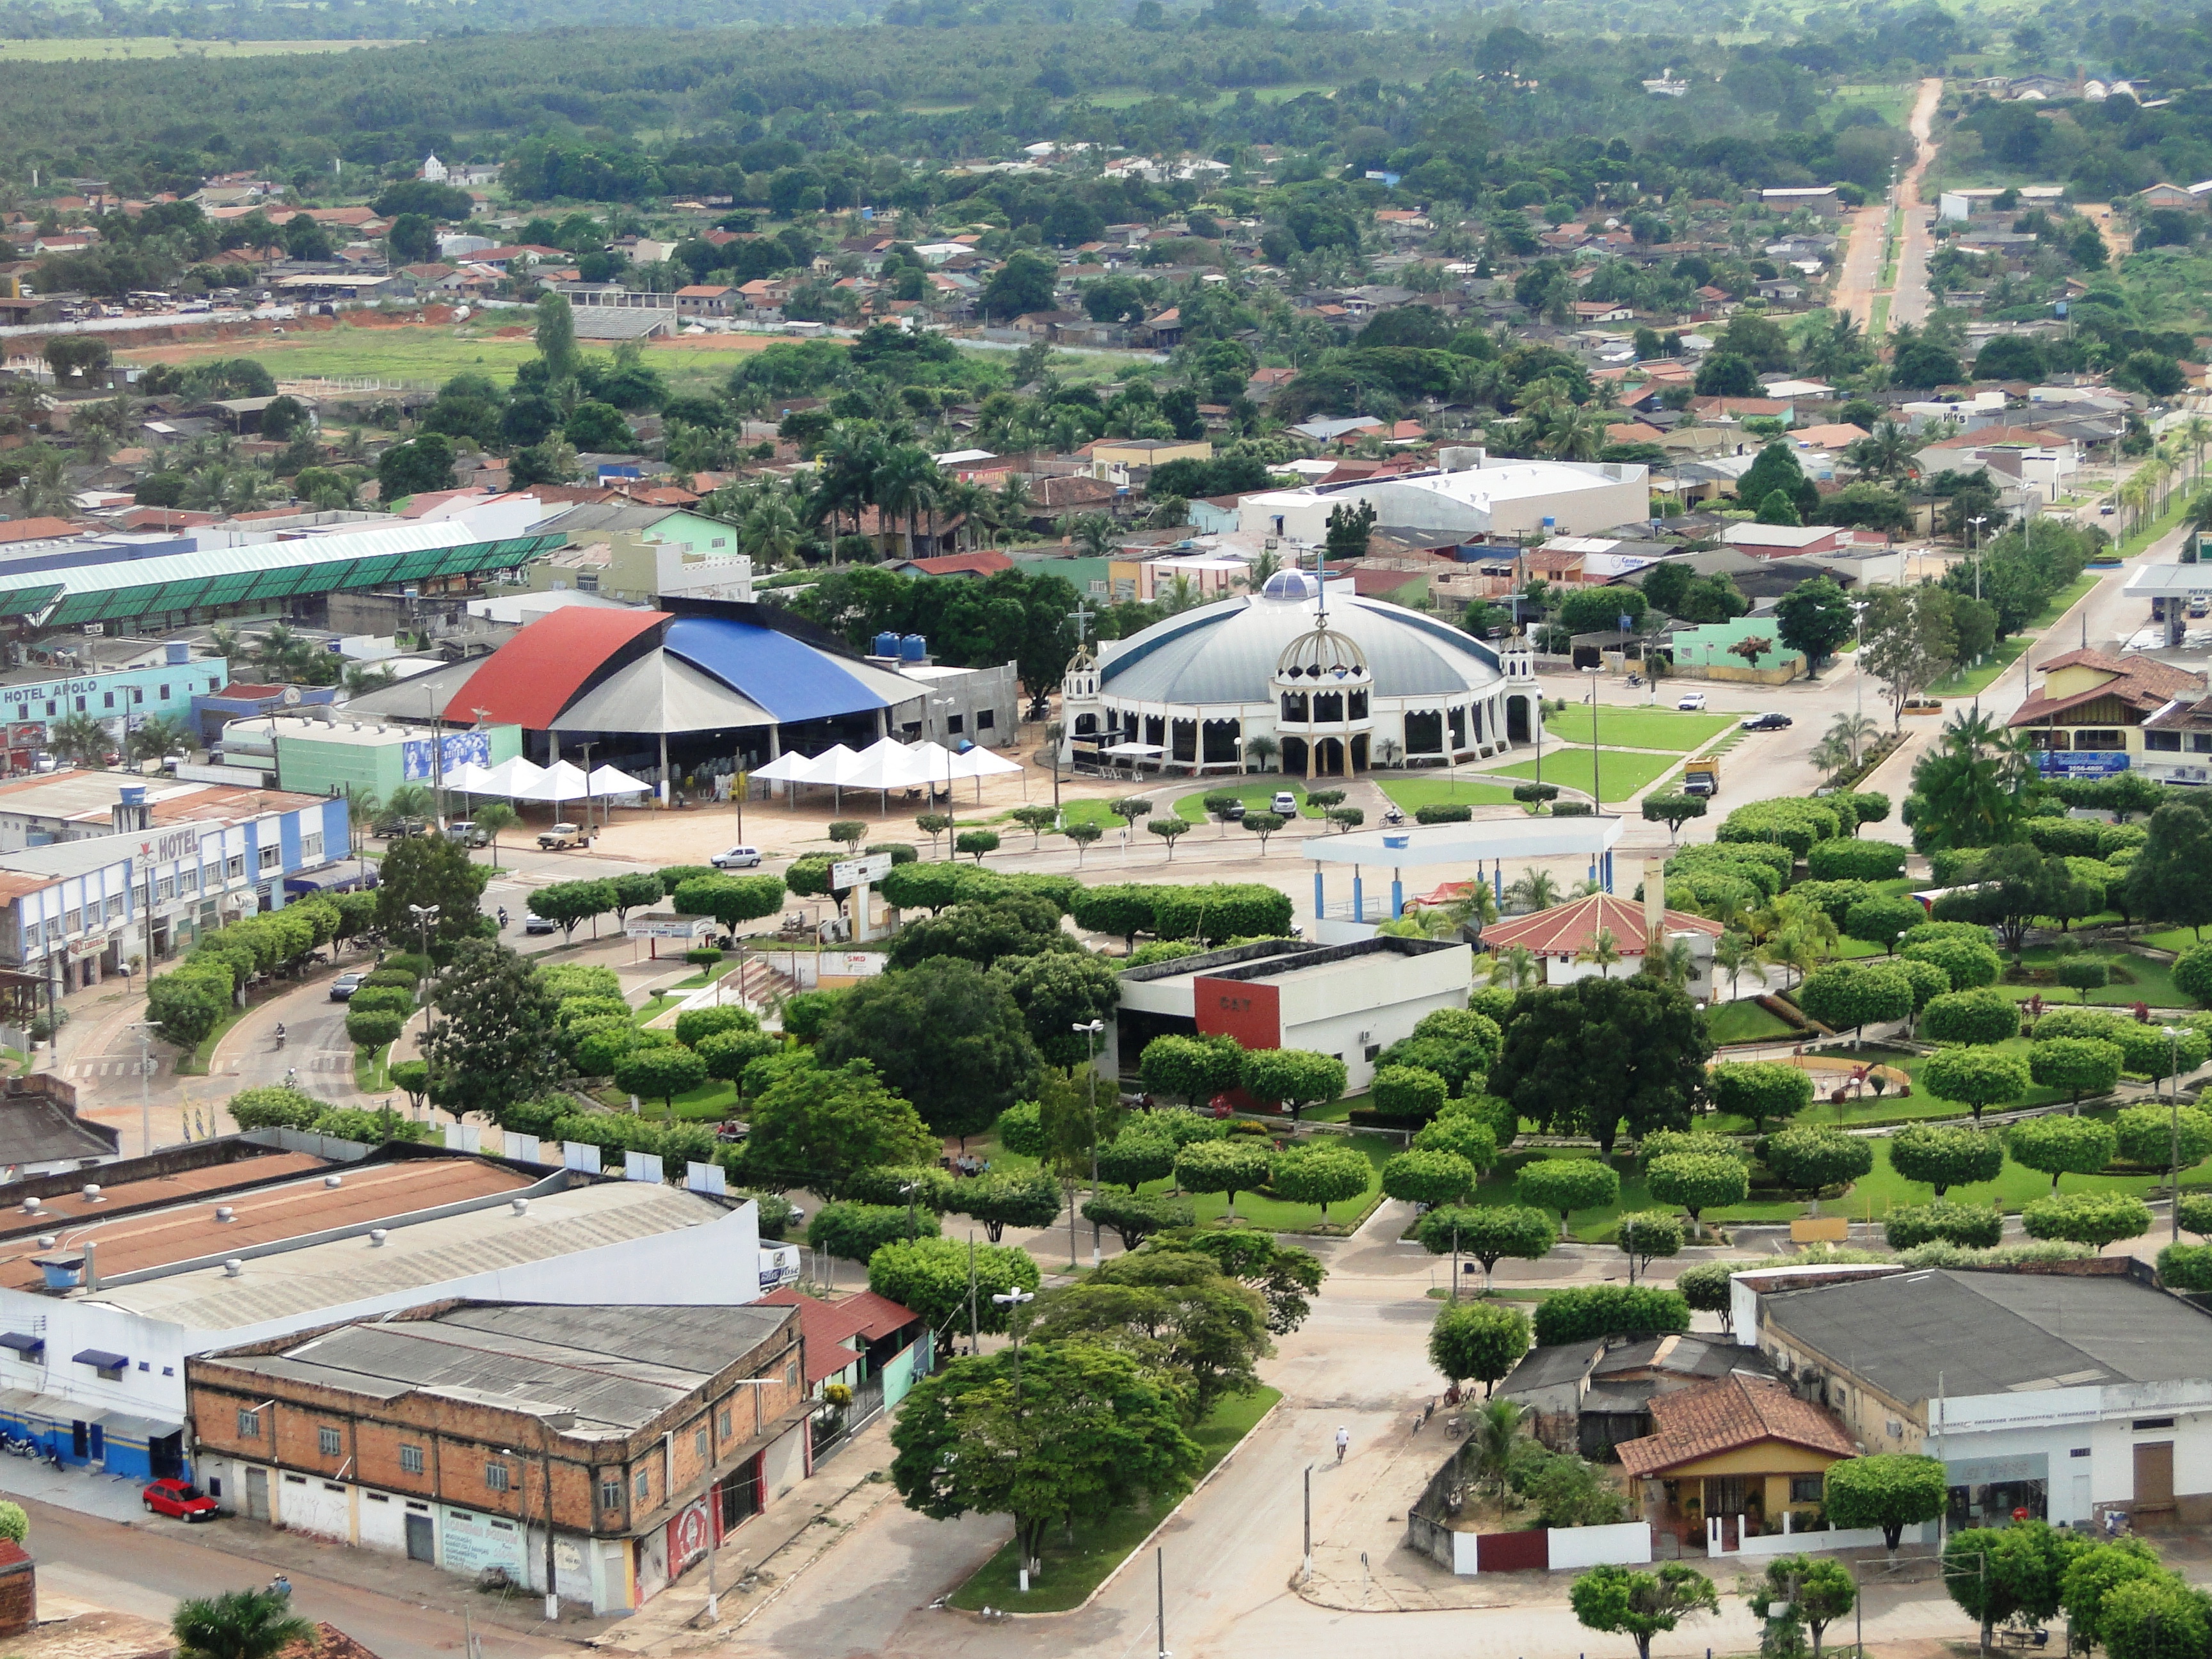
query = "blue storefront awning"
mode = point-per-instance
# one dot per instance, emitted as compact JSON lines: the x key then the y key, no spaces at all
{"x":331,"y":881}
{"x":23,"y":1343}
{"x":100,"y":1359}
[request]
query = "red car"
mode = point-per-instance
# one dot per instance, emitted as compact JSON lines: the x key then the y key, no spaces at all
{"x":179,"y":1499}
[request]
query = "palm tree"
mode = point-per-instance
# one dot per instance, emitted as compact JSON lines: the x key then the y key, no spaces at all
{"x":1091,"y":532}
{"x":1536,"y":891}
{"x":1015,"y":503}
{"x":253,"y":1624}
{"x":1732,"y":954}
{"x":771,"y":534}
{"x":1674,"y":963}
{"x":1514,"y":968}
{"x":492,"y":817}
{"x":361,"y":808}
{"x":1586,"y":887}
{"x":157,"y":739}
{"x":44,"y":488}
{"x":1603,"y":951}
{"x":80,"y":740}
{"x":1493,"y":1439}
{"x":905,"y":484}
{"x":410,"y":801}
{"x":1885,"y":453}
{"x":2196,"y":432}
{"x":1263,"y":749}
{"x":1853,"y":731}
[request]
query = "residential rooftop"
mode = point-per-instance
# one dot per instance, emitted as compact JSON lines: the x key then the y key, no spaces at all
{"x":613,"y":1369}
{"x":1910,"y":1334}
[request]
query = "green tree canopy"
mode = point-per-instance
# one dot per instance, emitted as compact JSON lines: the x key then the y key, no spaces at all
{"x":1889,"y":1490}
{"x":1478,"y":1341}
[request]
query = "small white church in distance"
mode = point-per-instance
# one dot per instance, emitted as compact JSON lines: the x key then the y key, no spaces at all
{"x":1338,"y":683}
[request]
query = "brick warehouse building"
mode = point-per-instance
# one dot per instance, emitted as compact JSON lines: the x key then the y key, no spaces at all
{"x":449,"y":1432}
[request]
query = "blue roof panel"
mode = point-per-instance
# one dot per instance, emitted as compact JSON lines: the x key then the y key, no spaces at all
{"x":786,"y":676}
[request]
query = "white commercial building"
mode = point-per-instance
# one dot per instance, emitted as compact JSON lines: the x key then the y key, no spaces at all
{"x":1472,"y":496}
{"x":2065,"y":1393}
{"x":1349,"y":1001}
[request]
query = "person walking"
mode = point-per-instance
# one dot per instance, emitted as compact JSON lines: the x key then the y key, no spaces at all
{"x":1343,"y":1440}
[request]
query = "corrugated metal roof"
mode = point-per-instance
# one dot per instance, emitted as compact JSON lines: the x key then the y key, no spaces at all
{"x":660,"y":692}
{"x":229,"y":575}
{"x":616,"y":1368}
{"x":794,"y":680}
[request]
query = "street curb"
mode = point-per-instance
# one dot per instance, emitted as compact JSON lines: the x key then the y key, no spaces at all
{"x":1140,"y":1548}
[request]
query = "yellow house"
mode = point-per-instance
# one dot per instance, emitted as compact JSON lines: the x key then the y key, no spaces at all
{"x":2096,"y":714}
{"x":1150,"y":452}
{"x":1740,"y":1447}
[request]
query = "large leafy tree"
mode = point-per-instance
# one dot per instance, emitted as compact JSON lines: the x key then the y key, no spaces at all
{"x":1806,"y":1160}
{"x":948,"y":1037}
{"x":1814,"y":618}
{"x":1944,"y":1155}
{"x":2092,"y":1218}
{"x":1641,"y":1605}
{"x":1592,"y":1056}
{"x":1086,"y":1428}
{"x":428,"y":871}
{"x":1759,"y":1090}
{"x":494,"y":1040}
{"x":1890,"y":1489}
{"x":2170,"y":881}
{"x":815,"y":1126}
{"x":1997,"y":1574}
{"x":1176,"y":1310}
{"x":1056,"y":991}
{"x":1284,"y":1275}
{"x":933,"y":1277}
{"x":2055,"y":1146}
{"x":1976,"y":1078}
{"x":1817,"y":1592}
{"x":1489,"y":1233}
{"x":1974,"y":787}
{"x":1478,"y":1341}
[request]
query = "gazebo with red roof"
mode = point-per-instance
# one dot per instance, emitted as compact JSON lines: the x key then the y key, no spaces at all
{"x":1561,"y":936}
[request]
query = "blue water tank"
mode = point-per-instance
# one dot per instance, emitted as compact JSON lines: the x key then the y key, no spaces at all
{"x":133,"y":795}
{"x":175,"y":651}
{"x":887,"y":644}
{"x":913,"y":648}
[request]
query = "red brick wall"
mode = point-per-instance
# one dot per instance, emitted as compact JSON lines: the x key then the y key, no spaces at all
{"x":19,"y":1595}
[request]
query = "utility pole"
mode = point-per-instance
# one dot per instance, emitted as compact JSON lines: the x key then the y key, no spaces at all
{"x":588,"y":748}
{"x":1160,"y":1563}
{"x":1011,"y":1301}
{"x":1091,"y":1030}
{"x":1308,"y":1570}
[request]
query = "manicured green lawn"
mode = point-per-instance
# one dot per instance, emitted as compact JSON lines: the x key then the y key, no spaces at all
{"x":710,"y":1102}
{"x":2152,"y":983}
{"x":1622,"y":773}
{"x":1637,"y":727}
{"x":1910,"y":1065}
{"x":371,"y":1069}
{"x":1746,"y":1021}
{"x":1596,"y":1226}
{"x":1255,"y":797}
{"x":1252,"y":1209}
{"x":1965,"y":682}
{"x":1069,"y":1573}
{"x":1412,"y":794}
{"x":2171,"y":938}
{"x":1884,"y":1189}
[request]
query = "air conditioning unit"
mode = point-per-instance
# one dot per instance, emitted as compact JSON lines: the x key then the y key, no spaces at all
{"x":1895,"y":1429}
{"x":95,"y":628}
{"x":1367,"y":1037}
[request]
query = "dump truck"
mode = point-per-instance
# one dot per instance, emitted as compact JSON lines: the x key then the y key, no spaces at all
{"x":1702,"y":776}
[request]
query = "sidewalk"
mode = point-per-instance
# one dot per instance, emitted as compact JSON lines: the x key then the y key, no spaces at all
{"x":762,"y":1560}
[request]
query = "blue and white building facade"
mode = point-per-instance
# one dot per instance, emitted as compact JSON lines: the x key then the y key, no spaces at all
{"x":78,"y":911}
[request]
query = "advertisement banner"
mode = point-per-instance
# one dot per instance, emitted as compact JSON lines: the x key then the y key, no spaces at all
{"x":2082,"y":762}
{"x":461,"y":749}
{"x":471,"y":1542}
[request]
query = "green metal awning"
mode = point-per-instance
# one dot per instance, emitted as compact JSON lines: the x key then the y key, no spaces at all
{"x":127,"y":589}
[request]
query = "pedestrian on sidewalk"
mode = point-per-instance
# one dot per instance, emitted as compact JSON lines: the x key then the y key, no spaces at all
{"x":1343,"y":1440}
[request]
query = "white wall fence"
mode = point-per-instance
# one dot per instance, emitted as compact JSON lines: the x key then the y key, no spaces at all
{"x":1786,"y":1542}
{"x":1627,"y":1545}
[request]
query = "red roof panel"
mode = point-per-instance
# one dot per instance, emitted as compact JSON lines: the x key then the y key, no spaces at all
{"x":528,"y":681}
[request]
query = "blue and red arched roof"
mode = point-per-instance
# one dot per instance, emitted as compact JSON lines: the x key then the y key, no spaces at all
{"x":528,"y":681}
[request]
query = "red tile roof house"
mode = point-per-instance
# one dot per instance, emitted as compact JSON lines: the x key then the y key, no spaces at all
{"x":1558,"y":936}
{"x":869,"y":1344}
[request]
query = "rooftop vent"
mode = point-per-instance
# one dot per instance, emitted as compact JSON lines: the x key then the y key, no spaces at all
{"x":376,"y":1235}
{"x":46,"y":1241}
{"x":223,"y":1212}
{"x":232,"y":1269}
{"x":333,"y":1180}
{"x":91,"y":1192}
{"x":31,"y":1206}
{"x":521,"y":1206}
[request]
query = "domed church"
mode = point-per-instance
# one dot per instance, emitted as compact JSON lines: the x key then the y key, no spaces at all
{"x":1338,"y":682}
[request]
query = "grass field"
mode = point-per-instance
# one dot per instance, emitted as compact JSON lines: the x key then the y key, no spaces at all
{"x":1620,"y":774}
{"x":162,"y":47}
{"x":1746,"y":1021}
{"x":1414,"y":794}
{"x":1967,"y":681}
{"x":1255,"y":797}
{"x":2171,"y":939}
{"x":1637,"y":727}
{"x":2151,"y":982}
{"x":1071,"y":1572}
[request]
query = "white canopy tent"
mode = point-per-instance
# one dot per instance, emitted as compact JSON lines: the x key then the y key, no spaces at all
{"x":885,"y":765}
{"x":563,"y":780}
{"x":607,"y":781}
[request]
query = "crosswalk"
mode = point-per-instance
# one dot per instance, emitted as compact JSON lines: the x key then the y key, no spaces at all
{"x":103,"y":1066}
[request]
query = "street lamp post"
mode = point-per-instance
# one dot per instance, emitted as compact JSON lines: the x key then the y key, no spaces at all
{"x":145,"y":1102}
{"x":1091,"y":1030}
{"x":1011,"y":1301}
{"x":426,"y":917}
{"x":2174,"y":1115}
